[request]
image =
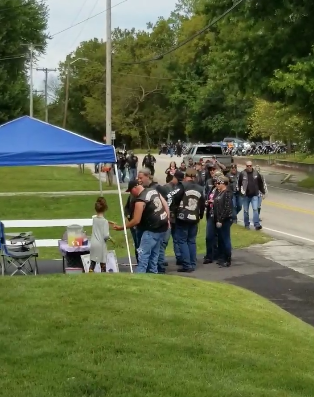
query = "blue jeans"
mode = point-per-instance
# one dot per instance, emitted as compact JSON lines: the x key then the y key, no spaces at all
{"x":171,"y":152}
{"x":237,"y":202}
{"x":121,"y":175}
{"x":163,"y":246}
{"x":246,"y":205}
{"x":210,"y":238}
{"x":148,"y":252}
{"x":176,"y":248}
{"x":186,"y":239}
{"x":224,"y":240}
{"x":132,"y":174}
{"x":135,"y":241}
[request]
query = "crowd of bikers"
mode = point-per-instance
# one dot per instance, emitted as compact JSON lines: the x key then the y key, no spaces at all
{"x":155,"y":212}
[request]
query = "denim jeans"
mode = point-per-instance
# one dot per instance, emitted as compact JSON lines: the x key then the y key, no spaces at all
{"x":224,"y":240}
{"x":163,"y":246}
{"x":121,"y":175}
{"x":132,"y":174}
{"x":135,"y":241}
{"x":148,"y":252}
{"x":210,"y":238}
{"x":176,"y":248}
{"x":186,"y":239}
{"x":171,"y":152}
{"x":237,"y":203}
{"x":246,"y":205}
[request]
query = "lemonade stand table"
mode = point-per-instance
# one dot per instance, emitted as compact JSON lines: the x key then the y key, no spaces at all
{"x":72,"y":255}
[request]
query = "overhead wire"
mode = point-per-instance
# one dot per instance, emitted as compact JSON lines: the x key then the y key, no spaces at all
{"x":83,"y":26}
{"x":8,"y":58}
{"x":186,"y":41}
{"x":85,"y":20}
{"x":73,"y":20}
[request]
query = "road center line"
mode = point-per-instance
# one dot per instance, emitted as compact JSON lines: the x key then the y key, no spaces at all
{"x":287,"y":207}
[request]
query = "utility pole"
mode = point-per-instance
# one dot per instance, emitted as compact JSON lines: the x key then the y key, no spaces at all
{"x":67,"y":88}
{"x":108,"y":74}
{"x":46,"y":71}
{"x":31,"y":99}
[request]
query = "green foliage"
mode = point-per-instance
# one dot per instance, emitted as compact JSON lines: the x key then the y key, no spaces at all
{"x":251,"y":72}
{"x":19,"y":26}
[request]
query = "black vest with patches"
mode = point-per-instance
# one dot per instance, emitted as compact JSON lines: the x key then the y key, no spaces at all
{"x":154,"y":214}
{"x":189,"y":208}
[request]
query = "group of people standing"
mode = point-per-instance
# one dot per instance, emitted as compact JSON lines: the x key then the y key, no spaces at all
{"x":129,"y":162}
{"x":155,"y":212}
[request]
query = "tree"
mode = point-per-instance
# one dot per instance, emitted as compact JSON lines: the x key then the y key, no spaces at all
{"x":22,"y":23}
{"x":275,"y":121}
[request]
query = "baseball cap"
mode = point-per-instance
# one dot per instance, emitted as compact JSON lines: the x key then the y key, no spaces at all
{"x":132,"y":185}
{"x":223,"y":179}
{"x":179,"y":175}
{"x":190,"y":173}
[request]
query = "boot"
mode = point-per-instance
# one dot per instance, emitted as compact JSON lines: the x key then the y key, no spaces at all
{"x":227,"y":262}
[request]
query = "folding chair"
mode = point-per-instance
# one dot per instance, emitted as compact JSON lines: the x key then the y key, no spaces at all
{"x":20,"y":257}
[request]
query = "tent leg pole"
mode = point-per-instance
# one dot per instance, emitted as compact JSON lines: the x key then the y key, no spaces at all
{"x":100,"y":181}
{"x":123,"y":219}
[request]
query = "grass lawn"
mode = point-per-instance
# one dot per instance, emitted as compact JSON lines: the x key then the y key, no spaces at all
{"x":307,"y":183}
{"x":82,"y":207}
{"x":47,"y":179}
{"x":297,"y":157}
{"x":137,"y":335}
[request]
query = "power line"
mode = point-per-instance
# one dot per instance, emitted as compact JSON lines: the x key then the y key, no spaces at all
{"x":81,"y":31}
{"x":85,"y":20}
{"x":8,"y":58}
{"x":155,"y":77}
{"x":186,"y":41}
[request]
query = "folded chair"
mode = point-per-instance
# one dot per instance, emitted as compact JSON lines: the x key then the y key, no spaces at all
{"x":22,"y":259}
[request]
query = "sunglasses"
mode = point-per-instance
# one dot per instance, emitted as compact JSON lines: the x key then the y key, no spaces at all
{"x":249,"y":166}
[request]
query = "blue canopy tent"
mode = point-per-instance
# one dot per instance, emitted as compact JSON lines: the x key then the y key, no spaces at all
{"x":27,"y":141}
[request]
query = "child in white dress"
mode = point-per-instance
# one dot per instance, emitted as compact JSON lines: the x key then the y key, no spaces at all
{"x":100,"y":234}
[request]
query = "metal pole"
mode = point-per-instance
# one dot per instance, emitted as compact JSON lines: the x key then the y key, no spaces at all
{"x":66,"y":103}
{"x":46,"y":95}
{"x":46,"y":71}
{"x":31,"y":100}
{"x":108,"y":73}
{"x":100,"y":181}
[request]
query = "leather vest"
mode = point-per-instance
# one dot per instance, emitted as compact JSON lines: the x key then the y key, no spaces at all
{"x":154,"y":214}
{"x":234,"y":181}
{"x":189,"y":208}
{"x":171,"y":191}
{"x":245,"y":180}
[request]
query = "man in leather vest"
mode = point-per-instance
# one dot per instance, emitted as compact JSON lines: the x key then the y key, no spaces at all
{"x":237,"y":200}
{"x":149,"y":162}
{"x":168,"y":191}
{"x":190,"y":203}
{"x":151,"y":217}
{"x":250,"y":184}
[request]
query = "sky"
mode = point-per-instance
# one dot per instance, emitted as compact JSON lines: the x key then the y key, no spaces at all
{"x":65,"y":13}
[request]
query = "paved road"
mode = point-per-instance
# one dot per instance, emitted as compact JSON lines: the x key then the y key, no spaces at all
{"x":286,"y":214}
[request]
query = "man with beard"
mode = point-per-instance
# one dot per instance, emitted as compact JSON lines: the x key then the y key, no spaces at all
{"x":151,"y":217}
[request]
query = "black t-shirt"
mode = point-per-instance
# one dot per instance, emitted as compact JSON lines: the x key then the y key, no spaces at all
{"x":121,"y":162}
